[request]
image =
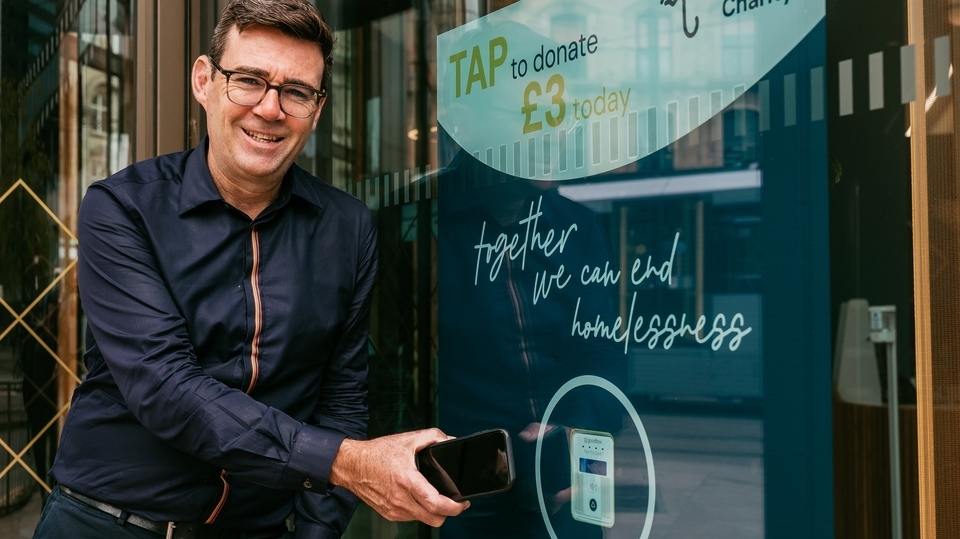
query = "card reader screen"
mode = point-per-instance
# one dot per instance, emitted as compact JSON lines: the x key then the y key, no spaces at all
{"x":595,"y":467}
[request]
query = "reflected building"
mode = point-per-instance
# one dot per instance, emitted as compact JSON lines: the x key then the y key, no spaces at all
{"x":65,"y":70}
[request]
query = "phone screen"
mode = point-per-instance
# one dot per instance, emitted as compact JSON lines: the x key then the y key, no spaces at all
{"x":470,"y":466}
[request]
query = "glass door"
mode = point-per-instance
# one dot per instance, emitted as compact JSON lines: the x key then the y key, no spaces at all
{"x":66,"y":83}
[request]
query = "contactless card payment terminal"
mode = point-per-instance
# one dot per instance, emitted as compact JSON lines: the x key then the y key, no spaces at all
{"x":592,"y":472}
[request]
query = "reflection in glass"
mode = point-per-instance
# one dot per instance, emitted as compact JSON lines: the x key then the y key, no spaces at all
{"x":503,"y":245}
{"x":66,"y":88}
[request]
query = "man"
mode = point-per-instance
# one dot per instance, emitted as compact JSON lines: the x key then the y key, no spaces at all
{"x":227,"y":294}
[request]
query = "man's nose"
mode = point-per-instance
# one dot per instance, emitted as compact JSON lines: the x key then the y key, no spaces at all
{"x":269,"y":106}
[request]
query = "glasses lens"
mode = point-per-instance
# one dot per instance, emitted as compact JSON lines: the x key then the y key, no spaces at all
{"x":297,"y":100}
{"x":245,"y":89}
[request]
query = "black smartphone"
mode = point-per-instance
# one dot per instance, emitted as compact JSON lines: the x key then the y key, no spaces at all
{"x":480,"y":464}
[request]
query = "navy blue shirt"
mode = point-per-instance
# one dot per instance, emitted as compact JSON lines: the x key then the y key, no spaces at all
{"x":226,"y":357}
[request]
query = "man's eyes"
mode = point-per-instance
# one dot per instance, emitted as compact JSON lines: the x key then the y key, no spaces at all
{"x":290,"y":91}
{"x":248,"y":81}
{"x":297,"y":92}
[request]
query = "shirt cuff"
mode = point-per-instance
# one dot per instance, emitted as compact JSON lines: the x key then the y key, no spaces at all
{"x":311,"y":460}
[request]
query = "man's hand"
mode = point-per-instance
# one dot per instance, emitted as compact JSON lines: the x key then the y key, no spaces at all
{"x":383,"y":473}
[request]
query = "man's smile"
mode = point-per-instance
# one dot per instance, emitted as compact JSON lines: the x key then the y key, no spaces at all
{"x":261,"y":137}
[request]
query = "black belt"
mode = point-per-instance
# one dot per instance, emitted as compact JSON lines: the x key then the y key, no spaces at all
{"x":174,"y":530}
{"x":159,"y":528}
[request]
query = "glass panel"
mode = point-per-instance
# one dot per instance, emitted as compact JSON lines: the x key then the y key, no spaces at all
{"x":634,"y":258}
{"x":377,"y":139}
{"x":67,"y":87}
{"x":727,"y":253}
{"x":707,"y":185}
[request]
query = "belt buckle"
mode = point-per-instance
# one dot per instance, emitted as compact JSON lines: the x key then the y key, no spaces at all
{"x":182,"y":530}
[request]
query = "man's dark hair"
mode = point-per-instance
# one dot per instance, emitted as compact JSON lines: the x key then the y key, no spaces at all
{"x":296,"y":18}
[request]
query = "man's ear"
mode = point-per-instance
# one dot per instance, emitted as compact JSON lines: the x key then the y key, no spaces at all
{"x":200,"y":79}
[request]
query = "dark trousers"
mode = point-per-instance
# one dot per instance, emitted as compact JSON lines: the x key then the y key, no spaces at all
{"x":66,"y":518}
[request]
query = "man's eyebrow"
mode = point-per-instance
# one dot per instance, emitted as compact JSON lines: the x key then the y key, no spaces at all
{"x":263,"y":73}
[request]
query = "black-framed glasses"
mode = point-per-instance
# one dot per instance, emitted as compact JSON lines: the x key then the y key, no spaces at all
{"x":247,"y":90}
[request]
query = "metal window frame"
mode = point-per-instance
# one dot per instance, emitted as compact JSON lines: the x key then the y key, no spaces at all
{"x":168,"y":36}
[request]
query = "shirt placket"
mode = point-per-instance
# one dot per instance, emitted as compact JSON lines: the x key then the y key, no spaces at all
{"x":254,"y":358}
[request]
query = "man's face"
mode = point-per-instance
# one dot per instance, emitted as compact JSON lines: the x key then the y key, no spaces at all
{"x":259,"y":143}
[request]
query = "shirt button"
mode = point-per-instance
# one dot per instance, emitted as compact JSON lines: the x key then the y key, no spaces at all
{"x":307,"y":484}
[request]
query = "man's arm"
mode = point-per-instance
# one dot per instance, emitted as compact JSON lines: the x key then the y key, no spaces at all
{"x":343,"y":400}
{"x":383,"y":473}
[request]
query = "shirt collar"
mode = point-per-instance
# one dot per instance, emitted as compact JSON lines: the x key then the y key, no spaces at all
{"x":299,"y":183}
{"x":197,"y":187}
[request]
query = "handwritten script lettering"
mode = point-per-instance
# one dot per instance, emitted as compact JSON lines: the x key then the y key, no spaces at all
{"x":506,"y":245}
{"x":655,"y":331}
